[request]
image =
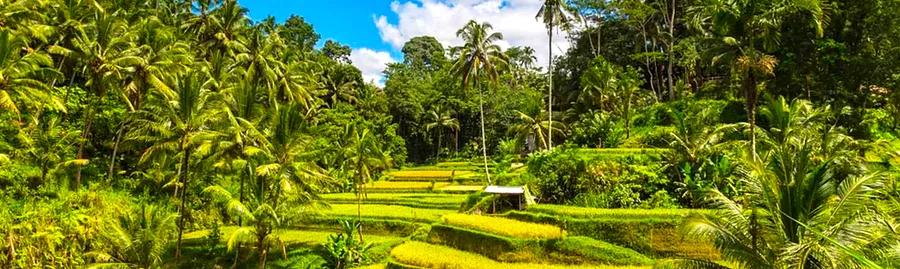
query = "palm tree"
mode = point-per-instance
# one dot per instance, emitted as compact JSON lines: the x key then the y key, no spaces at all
{"x":745,"y":30}
{"x":479,"y":58}
{"x":808,"y":201}
{"x":534,"y":128}
{"x":364,"y":156}
{"x":106,"y":50}
{"x":141,"y":238}
{"x":440,"y":119}
{"x":179,"y":121}
{"x":613,"y":88}
{"x":554,"y":13}
{"x":21,"y":76}
{"x":288,"y":170}
{"x":163,"y":59}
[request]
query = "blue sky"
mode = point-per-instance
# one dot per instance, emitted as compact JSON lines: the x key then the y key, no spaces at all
{"x":377,"y":29}
{"x":348,"y":21}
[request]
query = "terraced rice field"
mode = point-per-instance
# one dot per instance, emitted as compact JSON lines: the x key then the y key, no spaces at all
{"x":504,"y":226}
{"x":305,"y":237}
{"x":585,"y":212}
{"x":422,"y":175}
{"x":388,"y":186}
{"x":434,"y":256}
{"x":418,"y":200}
{"x":389,"y":212}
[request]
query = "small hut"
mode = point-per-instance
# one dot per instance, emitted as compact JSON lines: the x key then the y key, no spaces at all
{"x":509,"y":197}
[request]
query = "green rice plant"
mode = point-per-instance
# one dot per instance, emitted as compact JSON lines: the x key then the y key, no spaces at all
{"x":403,"y":185}
{"x":656,"y":235}
{"x":433,"y":256}
{"x":388,"y":212}
{"x":423,"y":200}
{"x":593,"y":213}
{"x":289,"y":236}
{"x":427,"y":173}
{"x":505,"y":227}
{"x":600,"y":252}
{"x":460,"y":188}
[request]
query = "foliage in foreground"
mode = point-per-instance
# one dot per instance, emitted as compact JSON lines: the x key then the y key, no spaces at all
{"x":808,"y":201}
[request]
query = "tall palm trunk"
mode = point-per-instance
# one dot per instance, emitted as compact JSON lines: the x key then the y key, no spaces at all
{"x":185,"y":158}
{"x":750,"y":95}
{"x":671,"y":53}
{"x":550,"y":83}
{"x":112,"y":160}
{"x":359,"y":195}
{"x":483,"y":136}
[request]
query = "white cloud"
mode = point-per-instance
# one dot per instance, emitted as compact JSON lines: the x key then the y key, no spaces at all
{"x":442,"y":18}
{"x":371,"y":63}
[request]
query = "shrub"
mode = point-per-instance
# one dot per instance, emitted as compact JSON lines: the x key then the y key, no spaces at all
{"x":504,"y":226}
{"x":344,"y":250}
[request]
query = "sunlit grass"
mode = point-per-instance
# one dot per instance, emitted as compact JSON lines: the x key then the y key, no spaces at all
{"x":504,"y":226}
{"x":460,"y":188}
{"x":587,"y":212}
{"x":429,"y":198}
{"x":388,"y":212}
{"x":405,"y":185}
{"x":427,"y":174}
{"x":440,"y":257}
{"x":289,"y":236}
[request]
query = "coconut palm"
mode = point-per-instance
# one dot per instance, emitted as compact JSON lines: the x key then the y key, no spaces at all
{"x":805,"y":205}
{"x":744,"y":31}
{"x":105,"y":48}
{"x":365,"y":158}
{"x":21,"y":76}
{"x":536,"y":129}
{"x":178,"y":123}
{"x":287,"y":173}
{"x":554,"y":13}
{"x":440,"y":119}
{"x":479,"y":58}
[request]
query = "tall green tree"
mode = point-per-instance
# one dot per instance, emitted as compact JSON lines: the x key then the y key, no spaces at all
{"x":744,"y":31}
{"x":554,"y":13}
{"x":178,"y":123}
{"x":479,"y":59}
{"x":441,"y":120}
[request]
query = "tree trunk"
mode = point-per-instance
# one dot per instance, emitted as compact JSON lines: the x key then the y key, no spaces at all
{"x":88,"y":121}
{"x":550,"y":83}
{"x":487,"y":173}
{"x":185,"y":158}
{"x":359,"y":212}
{"x":750,"y":95}
{"x":112,"y":160}
{"x":671,"y":53}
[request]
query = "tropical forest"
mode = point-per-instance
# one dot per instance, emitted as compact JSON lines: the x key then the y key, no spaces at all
{"x":661,"y":134}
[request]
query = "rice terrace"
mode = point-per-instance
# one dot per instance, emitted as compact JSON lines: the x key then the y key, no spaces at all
{"x":450,"y":134}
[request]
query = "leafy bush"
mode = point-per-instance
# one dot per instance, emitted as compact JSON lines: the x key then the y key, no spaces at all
{"x":344,"y":250}
{"x":610,"y":178}
{"x":559,"y":173}
{"x":596,"y":130}
{"x":504,"y":226}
